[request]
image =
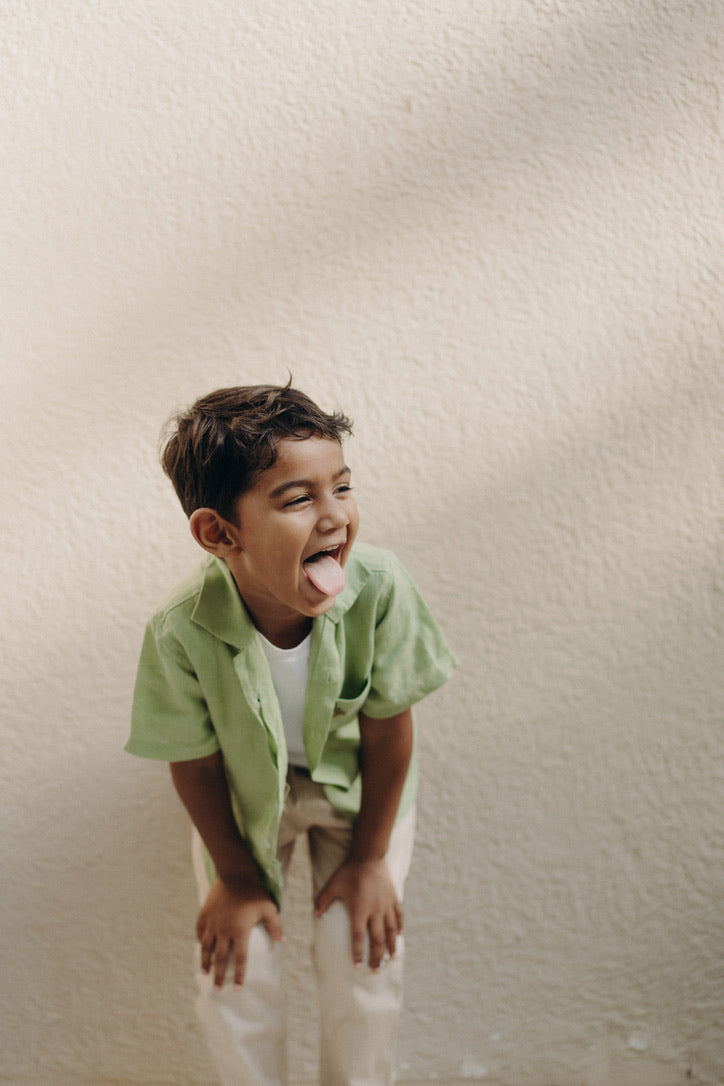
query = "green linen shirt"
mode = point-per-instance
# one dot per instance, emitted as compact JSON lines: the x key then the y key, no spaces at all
{"x":204,"y":685}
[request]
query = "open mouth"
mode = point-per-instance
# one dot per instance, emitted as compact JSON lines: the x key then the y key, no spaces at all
{"x":324,"y":571}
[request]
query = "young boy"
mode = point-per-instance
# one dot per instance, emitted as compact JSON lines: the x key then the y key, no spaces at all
{"x":277,"y":681}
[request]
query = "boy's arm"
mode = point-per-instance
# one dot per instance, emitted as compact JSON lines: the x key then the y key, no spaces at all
{"x":238,"y":899}
{"x":363,"y":881}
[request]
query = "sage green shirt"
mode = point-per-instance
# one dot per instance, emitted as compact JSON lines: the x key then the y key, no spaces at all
{"x":204,"y":685}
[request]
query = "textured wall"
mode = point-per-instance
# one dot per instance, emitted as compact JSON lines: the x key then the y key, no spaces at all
{"x":492,"y":232}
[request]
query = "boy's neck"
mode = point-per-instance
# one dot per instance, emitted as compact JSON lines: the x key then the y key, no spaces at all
{"x":282,"y":626}
{"x":285,"y":633}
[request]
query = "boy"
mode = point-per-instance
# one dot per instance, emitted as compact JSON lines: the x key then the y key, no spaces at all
{"x":277,"y":681}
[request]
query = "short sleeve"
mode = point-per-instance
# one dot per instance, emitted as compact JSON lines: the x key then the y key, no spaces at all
{"x":170,"y":720}
{"x":411,"y":656}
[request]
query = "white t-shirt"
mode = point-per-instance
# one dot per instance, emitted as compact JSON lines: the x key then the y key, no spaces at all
{"x":290,"y":671}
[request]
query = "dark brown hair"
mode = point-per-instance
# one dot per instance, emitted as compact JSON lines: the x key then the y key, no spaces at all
{"x":220,"y":445}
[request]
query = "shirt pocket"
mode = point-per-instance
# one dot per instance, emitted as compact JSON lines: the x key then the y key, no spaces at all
{"x":346,"y":710}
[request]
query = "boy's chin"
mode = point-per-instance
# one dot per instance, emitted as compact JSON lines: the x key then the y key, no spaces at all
{"x":323,"y":606}
{"x":325,"y":603}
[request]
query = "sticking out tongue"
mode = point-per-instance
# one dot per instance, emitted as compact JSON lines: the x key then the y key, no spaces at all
{"x":325,"y":573}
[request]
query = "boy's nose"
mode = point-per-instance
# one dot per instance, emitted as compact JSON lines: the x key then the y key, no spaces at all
{"x":332,"y":516}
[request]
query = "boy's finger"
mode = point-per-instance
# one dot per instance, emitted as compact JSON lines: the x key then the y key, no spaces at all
{"x":393,"y":927}
{"x":358,"y":942}
{"x":207,"y":950}
{"x":322,"y":902}
{"x":391,"y":933}
{"x":378,"y":942}
{"x":274,"y":927}
{"x":221,"y":960}
{"x":400,"y":917}
{"x":239,"y":965}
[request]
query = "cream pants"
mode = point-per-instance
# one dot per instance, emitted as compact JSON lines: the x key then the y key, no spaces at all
{"x":359,"y":1010}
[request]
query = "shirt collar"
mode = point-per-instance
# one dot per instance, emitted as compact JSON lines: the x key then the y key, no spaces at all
{"x":220,"y":609}
{"x":356,"y":576}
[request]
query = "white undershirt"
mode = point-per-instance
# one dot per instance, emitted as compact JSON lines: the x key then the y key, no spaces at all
{"x":290,"y":671}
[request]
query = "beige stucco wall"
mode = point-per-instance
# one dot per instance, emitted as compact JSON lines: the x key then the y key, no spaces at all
{"x":492,"y":232}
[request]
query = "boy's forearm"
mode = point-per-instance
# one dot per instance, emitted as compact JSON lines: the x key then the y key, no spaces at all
{"x":204,"y":792}
{"x":385,"y":754}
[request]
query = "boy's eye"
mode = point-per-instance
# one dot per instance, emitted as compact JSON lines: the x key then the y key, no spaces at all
{"x":302,"y":499}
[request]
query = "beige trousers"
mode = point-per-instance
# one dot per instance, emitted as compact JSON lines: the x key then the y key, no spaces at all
{"x":359,"y":1010}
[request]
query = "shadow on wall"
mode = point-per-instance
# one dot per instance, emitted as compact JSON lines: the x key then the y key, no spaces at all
{"x":471,"y":145}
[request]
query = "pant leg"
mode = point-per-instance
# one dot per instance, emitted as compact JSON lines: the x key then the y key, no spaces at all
{"x":359,"y":1009}
{"x":245,"y":1029}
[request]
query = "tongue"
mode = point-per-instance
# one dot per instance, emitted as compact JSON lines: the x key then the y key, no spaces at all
{"x":326,"y":574}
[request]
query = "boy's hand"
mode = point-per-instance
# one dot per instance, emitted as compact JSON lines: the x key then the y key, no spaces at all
{"x":365,"y":887}
{"x":363,"y":882}
{"x":230,"y":912}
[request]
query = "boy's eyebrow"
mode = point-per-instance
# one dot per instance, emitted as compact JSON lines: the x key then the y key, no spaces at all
{"x":302,"y":483}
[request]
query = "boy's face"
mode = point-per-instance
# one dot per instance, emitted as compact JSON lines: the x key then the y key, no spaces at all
{"x":298,"y":507}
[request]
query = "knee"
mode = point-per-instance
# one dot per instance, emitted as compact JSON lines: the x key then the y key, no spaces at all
{"x":265,"y":956}
{"x":264,"y":963}
{"x":332,"y":947}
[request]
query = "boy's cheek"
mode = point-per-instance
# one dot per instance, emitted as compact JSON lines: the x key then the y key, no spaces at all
{"x":351,"y":536}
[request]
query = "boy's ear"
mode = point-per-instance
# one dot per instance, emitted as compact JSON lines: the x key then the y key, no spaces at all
{"x":213,"y":533}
